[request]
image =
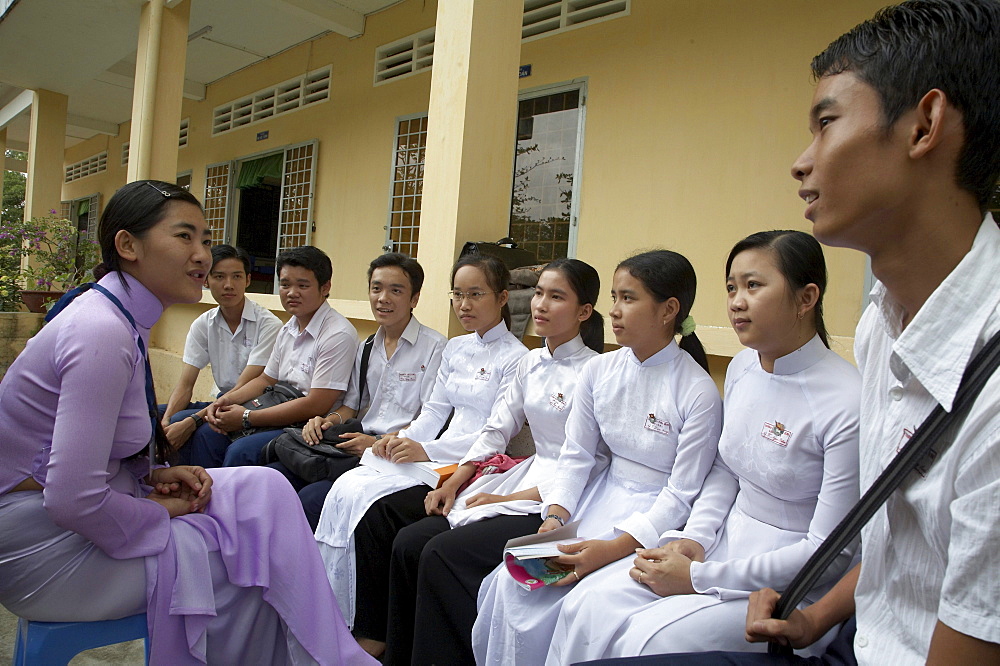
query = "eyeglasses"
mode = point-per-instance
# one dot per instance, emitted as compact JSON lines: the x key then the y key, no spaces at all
{"x":166,"y":195}
{"x":474,"y":296}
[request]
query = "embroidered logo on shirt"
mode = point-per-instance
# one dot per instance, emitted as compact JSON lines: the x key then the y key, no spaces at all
{"x":558,"y":401}
{"x":247,"y":342}
{"x":423,"y":368}
{"x":483,"y":375}
{"x":923,"y":466}
{"x":307,"y":366}
{"x":407,"y":376}
{"x":776,"y":432}
{"x":661,"y":426}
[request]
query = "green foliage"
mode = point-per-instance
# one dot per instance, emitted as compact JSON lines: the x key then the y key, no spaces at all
{"x":14,"y":183}
{"x":60,"y":258}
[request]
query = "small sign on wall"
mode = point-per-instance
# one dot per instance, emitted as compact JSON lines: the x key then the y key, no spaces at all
{"x":524,"y":71}
{"x":262,"y":135}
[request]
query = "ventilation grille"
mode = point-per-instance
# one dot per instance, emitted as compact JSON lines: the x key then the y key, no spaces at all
{"x":542,"y":18}
{"x":125,"y":147}
{"x":282,"y":98}
{"x":87,"y":167}
{"x":182,"y":137}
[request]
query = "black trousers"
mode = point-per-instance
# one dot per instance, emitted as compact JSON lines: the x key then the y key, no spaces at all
{"x":373,"y":538}
{"x":435,"y":577}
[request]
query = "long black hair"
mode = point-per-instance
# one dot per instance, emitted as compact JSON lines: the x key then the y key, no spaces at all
{"x":667,"y":274}
{"x":800,"y":259}
{"x":136,"y":208}
{"x":586,"y":284}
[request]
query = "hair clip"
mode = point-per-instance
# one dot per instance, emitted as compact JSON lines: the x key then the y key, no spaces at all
{"x":165,"y":194}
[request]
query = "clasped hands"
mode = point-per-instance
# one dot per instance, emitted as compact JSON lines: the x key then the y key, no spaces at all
{"x":667,"y":570}
{"x":354,"y":443}
{"x":224,"y":417}
{"x":399,"y":449}
{"x":181,"y":490}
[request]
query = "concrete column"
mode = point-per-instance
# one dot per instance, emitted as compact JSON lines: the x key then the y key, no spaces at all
{"x":470,"y":140}
{"x":46,"y":148}
{"x":159,"y":91}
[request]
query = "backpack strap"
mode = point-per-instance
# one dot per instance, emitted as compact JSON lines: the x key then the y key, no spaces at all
{"x":913,"y":456}
{"x":363,"y":378}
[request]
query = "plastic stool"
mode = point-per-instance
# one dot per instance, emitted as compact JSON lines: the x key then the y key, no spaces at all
{"x":45,"y":643}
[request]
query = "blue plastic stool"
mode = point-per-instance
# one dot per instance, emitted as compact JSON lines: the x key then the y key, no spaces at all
{"x":55,"y":643}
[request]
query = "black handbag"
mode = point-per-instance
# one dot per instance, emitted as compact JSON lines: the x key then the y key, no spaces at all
{"x":318,"y":462}
{"x":505,"y":249}
{"x":275,"y":394}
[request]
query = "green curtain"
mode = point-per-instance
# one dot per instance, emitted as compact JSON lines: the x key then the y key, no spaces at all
{"x":83,"y":208}
{"x":253,"y":172}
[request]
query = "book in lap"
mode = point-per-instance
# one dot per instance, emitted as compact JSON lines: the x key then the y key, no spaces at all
{"x":530,"y":559}
{"x":430,"y":473}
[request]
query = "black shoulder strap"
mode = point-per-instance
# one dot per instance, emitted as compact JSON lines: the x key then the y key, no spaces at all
{"x":913,"y":456}
{"x":363,"y":378}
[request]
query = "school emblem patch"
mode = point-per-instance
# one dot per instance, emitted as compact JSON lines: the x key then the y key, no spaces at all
{"x":776,"y":432}
{"x":483,"y":375}
{"x":657,"y":425}
{"x":558,"y":401}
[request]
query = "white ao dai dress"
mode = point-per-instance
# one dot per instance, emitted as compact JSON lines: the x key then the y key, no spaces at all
{"x":658,"y":422}
{"x":786,"y":474}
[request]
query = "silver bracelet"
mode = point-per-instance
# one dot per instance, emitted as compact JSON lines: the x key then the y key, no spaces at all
{"x":556,"y":517}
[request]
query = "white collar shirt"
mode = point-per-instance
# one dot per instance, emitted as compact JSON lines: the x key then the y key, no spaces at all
{"x":209,"y":341}
{"x":396,"y":387}
{"x":932,"y":552}
{"x":319,"y":356}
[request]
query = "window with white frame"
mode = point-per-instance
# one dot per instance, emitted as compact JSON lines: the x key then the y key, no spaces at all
{"x":274,"y":101}
{"x":547,"y":161}
{"x":403,"y":230}
{"x":542,"y":18}
{"x":216,"y":200}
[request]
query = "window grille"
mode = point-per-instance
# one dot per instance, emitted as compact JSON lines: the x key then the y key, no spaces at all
{"x":295,"y":218}
{"x":217,"y":200}
{"x":83,"y":168}
{"x":403,"y":231}
{"x":182,"y":138}
{"x":125,"y":147}
{"x":542,"y":18}
{"x":285,"y":97}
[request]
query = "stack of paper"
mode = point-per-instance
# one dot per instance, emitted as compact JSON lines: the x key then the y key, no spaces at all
{"x":431,"y":473}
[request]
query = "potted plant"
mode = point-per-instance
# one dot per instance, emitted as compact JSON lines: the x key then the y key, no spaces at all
{"x":59,"y":258}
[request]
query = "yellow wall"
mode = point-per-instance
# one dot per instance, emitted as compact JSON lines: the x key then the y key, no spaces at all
{"x":695,"y":112}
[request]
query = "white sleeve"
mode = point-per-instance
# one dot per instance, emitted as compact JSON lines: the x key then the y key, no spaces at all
{"x":334,"y":361}
{"x":710,"y":509}
{"x":839,"y":491}
{"x":505,"y":420}
{"x":267,"y":333}
{"x":454,"y":447}
{"x":435,"y":411}
{"x":196,"y":343}
{"x":697,"y":445}
{"x":578,"y":454}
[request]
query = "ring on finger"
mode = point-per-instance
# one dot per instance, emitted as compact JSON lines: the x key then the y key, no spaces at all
{"x":640,"y":576}
{"x":576,"y":575}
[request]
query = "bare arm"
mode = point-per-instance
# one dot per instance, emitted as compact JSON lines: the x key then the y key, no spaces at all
{"x":181,"y":395}
{"x":803,"y":627}
{"x":319,"y":401}
{"x":953,"y":647}
{"x":250,"y":372}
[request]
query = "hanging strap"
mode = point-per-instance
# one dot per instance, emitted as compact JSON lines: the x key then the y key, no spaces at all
{"x":69,"y":297}
{"x":366,"y":354}
{"x":914,"y":455}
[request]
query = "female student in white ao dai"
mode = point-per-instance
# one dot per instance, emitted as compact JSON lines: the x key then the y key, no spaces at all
{"x":475,"y":371}
{"x":786,"y":474}
{"x":655,"y":414}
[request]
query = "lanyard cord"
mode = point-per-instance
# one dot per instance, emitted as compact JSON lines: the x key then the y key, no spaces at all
{"x":150,"y":395}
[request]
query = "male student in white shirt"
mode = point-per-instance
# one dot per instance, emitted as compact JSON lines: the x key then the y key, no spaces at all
{"x":235,"y":338}
{"x":904,"y":158}
{"x":402,"y":368}
{"x":314,"y":352}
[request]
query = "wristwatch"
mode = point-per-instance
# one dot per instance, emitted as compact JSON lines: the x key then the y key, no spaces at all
{"x":246,"y":419}
{"x":197,"y":420}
